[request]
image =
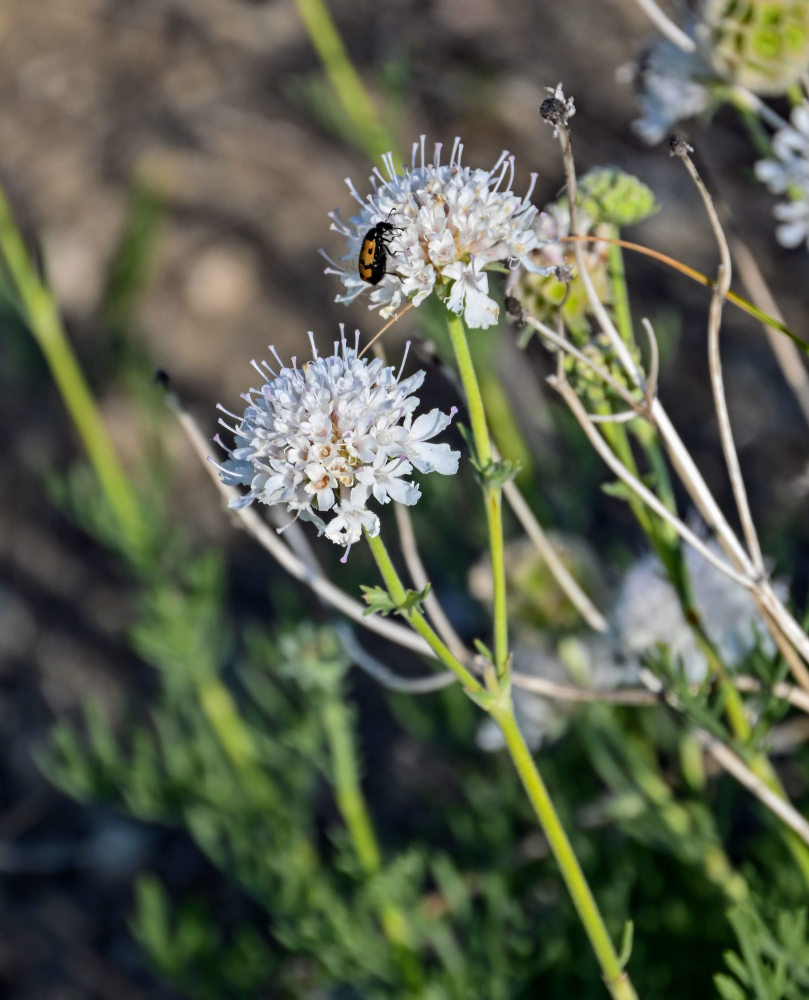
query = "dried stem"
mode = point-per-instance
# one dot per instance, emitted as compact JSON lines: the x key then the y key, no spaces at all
{"x":735,"y":766}
{"x":602,"y":316}
{"x":721,"y":287}
{"x":768,"y":602}
{"x":384,"y":675}
{"x":654,"y":363}
{"x":420,"y":579}
{"x":565,"y":390}
{"x":571,"y":588}
{"x":564,"y":345}
{"x":786,"y":353}
{"x":666,"y":26}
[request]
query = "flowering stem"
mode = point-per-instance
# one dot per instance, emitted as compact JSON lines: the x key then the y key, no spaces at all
{"x":499,"y":705}
{"x":616,"y":978}
{"x":493,"y":495}
{"x":46,"y":327}
{"x":474,"y":399}
{"x":416,"y":619}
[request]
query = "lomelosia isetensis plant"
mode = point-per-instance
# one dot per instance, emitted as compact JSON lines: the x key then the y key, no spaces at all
{"x":469,"y":752}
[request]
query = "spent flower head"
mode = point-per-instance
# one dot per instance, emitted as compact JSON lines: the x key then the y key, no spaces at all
{"x":326,"y":437}
{"x":557,"y":109}
{"x":450,"y":224}
{"x":787,"y":172}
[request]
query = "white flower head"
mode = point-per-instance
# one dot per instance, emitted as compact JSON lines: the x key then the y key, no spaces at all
{"x":787,"y":172}
{"x":325,"y":437}
{"x":449,"y":223}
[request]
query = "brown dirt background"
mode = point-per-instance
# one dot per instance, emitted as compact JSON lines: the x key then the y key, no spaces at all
{"x":202,"y":97}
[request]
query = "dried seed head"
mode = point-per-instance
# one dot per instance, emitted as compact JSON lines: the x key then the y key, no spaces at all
{"x":678,"y":146}
{"x":557,"y":109}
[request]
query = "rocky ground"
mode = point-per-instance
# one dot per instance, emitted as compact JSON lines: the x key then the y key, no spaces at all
{"x":214,"y":105}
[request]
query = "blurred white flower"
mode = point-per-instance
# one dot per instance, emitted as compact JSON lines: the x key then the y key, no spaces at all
{"x":670,"y":89}
{"x":787,"y":172}
{"x":328,"y":436}
{"x":450,"y":222}
{"x":543,"y":720}
{"x":647,"y":614}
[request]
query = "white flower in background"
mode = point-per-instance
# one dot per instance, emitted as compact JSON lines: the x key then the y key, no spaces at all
{"x":787,"y":172}
{"x":670,"y":89}
{"x":325,"y":437}
{"x":450,"y":221}
{"x":543,"y":720}
{"x":647,"y":614}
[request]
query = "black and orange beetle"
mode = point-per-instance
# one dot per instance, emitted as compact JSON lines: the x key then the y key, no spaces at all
{"x":374,"y":252}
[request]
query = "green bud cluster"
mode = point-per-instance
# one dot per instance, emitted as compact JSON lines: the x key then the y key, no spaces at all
{"x":543,"y":295}
{"x":608,"y":200}
{"x":608,"y":195}
{"x":761,"y":44}
{"x":588,"y":384}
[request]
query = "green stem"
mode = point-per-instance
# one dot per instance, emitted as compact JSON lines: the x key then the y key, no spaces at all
{"x":351,"y":92}
{"x":620,"y":295}
{"x":616,"y":978}
{"x":416,"y":619}
{"x":498,"y":704}
{"x":46,"y":327}
{"x":347,"y":786}
{"x":223,"y":716}
{"x":353,"y":809}
{"x":474,"y":400}
{"x":758,"y":134}
{"x":492,"y":494}
{"x":494,"y":521}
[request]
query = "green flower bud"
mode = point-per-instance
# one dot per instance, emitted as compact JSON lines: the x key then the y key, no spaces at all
{"x":607,"y":194}
{"x":760,"y":44}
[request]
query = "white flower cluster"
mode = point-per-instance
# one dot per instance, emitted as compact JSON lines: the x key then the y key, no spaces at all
{"x":450,"y":223}
{"x":327,"y":436}
{"x":787,"y":172}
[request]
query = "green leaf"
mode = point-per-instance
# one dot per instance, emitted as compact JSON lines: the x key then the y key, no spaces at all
{"x":626,"y":943}
{"x":379,"y":600}
{"x":497,"y":474}
{"x":728,"y":989}
{"x":484,"y":650}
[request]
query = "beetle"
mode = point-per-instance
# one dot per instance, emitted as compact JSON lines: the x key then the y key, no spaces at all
{"x":374,"y":252}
